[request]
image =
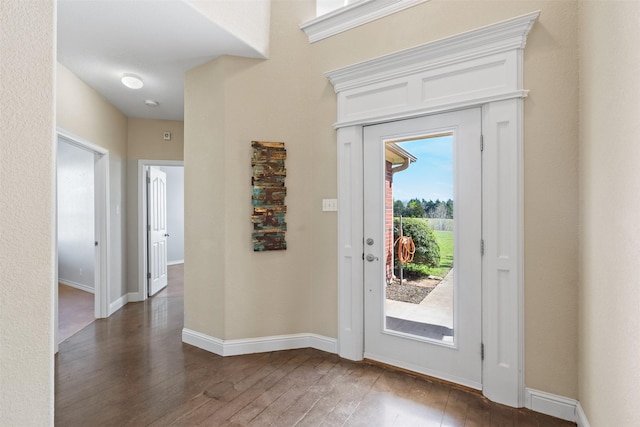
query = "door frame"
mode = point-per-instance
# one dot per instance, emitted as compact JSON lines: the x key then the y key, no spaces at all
{"x":479,"y":68}
{"x":143,"y":288}
{"x":102,"y":227}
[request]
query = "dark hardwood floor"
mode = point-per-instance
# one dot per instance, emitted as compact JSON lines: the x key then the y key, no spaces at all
{"x":75,"y":311}
{"x":133,"y":370}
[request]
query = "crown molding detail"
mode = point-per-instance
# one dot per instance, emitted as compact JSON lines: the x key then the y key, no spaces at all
{"x":465,"y":70}
{"x":489,"y":40}
{"x":352,"y":16}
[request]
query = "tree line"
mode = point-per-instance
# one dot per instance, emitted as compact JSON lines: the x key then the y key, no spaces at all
{"x":416,"y":208}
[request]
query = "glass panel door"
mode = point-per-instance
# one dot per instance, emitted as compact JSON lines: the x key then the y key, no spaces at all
{"x":423,"y":280}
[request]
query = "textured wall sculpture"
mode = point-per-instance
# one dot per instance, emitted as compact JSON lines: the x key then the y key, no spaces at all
{"x":269,"y":225}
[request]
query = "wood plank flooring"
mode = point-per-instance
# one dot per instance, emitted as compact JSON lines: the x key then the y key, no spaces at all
{"x":133,"y":370}
{"x":75,"y":311}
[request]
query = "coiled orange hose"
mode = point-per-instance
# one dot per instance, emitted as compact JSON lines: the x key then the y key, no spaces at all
{"x":406,"y":249}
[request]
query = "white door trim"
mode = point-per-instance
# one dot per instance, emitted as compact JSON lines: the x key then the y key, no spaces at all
{"x":482,"y":67}
{"x":101,"y":173}
{"x":143,"y":290}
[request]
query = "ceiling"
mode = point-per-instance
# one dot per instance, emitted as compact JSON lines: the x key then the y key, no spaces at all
{"x":100,"y":40}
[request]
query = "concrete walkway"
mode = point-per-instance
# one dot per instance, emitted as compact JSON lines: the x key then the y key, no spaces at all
{"x":435,"y":309}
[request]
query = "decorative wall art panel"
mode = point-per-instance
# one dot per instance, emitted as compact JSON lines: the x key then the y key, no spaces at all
{"x":269,"y":192}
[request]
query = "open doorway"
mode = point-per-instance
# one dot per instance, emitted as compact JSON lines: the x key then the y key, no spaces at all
{"x":153,"y":263}
{"x":76,"y":237}
{"x":175,"y":213}
{"x":82,"y":242}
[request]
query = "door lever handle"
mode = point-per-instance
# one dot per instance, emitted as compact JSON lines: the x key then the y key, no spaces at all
{"x":166,"y":235}
{"x":371,"y":258}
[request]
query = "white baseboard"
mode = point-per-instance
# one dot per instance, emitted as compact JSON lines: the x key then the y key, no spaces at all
{"x":258,"y":345}
{"x":135,"y":297}
{"x":581,"y":417}
{"x":180,"y":261}
{"x":320,"y":342}
{"x":77,"y":285}
{"x":118,"y":304}
{"x":554,"y":405}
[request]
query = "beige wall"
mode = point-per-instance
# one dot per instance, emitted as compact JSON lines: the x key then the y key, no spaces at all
{"x":145,"y":141}
{"x":609,"y":363}
{"x":287,"y":98}
{"x":27,"y":112}
{"x":204,"y":201}
{"x":86,"y":114}
{"x":551,"y":201}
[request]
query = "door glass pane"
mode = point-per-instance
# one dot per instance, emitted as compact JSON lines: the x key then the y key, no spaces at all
{"x":419,"y":237}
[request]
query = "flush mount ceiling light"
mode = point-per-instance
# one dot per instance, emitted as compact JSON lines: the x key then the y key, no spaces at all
{"x":151,"y":103}
{"x":132,"y":81}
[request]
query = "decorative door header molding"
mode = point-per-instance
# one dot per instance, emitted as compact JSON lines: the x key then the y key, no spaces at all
{"x":471,"y":68}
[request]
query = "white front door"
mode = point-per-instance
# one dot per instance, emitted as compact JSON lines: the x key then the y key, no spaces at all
{"x":157,"y":220}
{"x":440,"y":335}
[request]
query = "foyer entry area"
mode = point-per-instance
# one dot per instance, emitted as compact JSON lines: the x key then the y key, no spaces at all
{"x":132,"y":369}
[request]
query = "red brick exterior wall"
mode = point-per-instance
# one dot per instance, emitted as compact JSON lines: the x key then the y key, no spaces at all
{"x":388,"y":223}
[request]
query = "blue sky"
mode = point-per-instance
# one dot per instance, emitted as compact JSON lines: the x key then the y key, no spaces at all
{"x":431,"y":176}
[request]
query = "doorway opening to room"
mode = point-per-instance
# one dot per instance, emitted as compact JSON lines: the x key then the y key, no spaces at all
{"x":82,"y":237}
{"x":161,"y":225}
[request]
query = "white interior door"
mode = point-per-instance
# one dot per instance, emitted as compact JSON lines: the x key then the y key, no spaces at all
{"x":440,"y":338}
{"x":157,"y":220}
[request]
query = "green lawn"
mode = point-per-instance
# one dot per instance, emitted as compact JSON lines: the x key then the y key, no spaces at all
{"x":445,"y":241}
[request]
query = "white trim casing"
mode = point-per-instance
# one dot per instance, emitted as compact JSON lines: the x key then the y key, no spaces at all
{"x":118,"y":304}
{"x":135,"y":297}
{"x":483,"y":67}
{"x":555,"y":406}
{"x":103,"y":231}
{"x":350,"y":238}
{"x":466,"y":70}
{"x":352,"y":16}
{"x":258,"y":345}
{"x":502,"y":270}
{"x":581,"y":417}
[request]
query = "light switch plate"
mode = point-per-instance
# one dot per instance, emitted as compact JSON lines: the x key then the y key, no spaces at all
{"x":329,"y":205}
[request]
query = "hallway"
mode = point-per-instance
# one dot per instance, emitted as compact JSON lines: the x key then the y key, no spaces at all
{"x":132,"y":369}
